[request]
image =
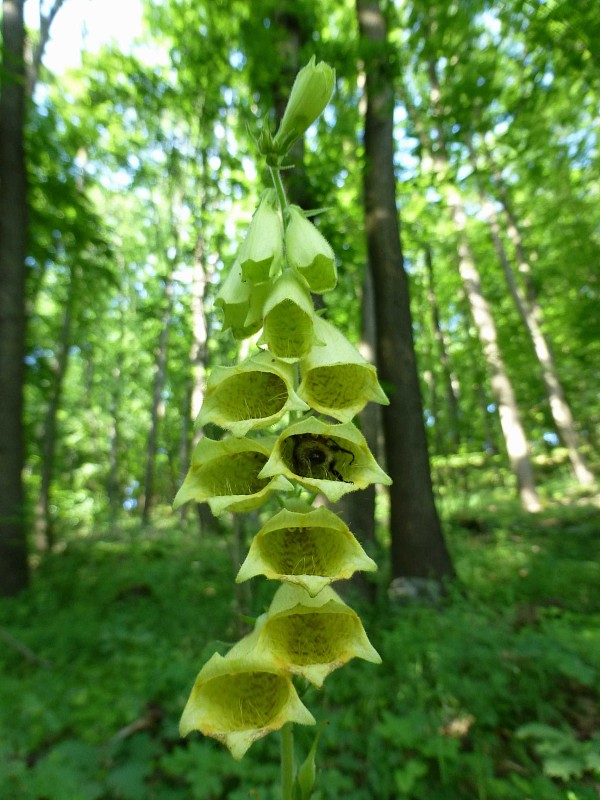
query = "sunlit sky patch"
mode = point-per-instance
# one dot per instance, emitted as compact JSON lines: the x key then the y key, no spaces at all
{"x":85,"y":25}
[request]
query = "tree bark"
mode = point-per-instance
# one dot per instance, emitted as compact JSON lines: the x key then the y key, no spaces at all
{"x":113,"y":483}
{"x":418,"y":549}
{"x":157,"y":409}
{"x":35,"y":61}
{"x":198,"y":361}
{"x":44,"y":533}
{"x":14,"y":571}
{"x":449,"y":382}
{"x":531,"y":315}
{"x":513,"y":431}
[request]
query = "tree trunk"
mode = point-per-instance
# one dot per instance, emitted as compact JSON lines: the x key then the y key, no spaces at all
{"x":113,"y":483}
{"x":449,"y":382}
{"x":44,"y":533}
{"x":517,"y":445}
{"x":530,"y":312}
{"x":157,"y":409}
{"x":35,"y":60}
{"x":418,"y":549}
{"x":513,"y":431}
{"x":14,"y":571}
{"x":531,"y":317}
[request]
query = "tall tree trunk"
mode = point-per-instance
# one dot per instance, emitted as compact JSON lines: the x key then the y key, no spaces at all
{"x":438,"y":334}
{"x":418,"y":549}
{"x":113,"y":484}
{"x":513,"y":431}
{"x":513,"y":229}
{"x":35,"y":59}
{"x":14,"y":571}
{"x":531,"y":317}
{"x":198,"y":360}
{"x":157,"y":409}
{"x":44,"y":533}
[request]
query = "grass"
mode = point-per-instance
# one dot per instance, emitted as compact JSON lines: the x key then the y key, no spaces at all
{"x":492,"y":694}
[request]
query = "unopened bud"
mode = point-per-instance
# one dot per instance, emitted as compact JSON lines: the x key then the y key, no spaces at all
{"x":310,"y":95}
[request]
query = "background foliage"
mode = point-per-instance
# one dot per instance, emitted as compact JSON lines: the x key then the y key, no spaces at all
{"x":141,"y":165}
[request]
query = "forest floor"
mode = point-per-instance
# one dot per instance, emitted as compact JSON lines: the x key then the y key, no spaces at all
{"x":490,"y":693}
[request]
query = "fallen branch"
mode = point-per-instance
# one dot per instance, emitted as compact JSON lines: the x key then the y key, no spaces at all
{"x":21,"y":648}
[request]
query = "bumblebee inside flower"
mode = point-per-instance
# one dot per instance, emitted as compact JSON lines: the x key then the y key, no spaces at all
{"x":313,"y":455}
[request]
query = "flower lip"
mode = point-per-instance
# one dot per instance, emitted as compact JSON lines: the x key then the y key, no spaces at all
{"x":249,"y":396}
{"x":310,"y":547}
{"x":330,"y":458}
{"x":225,"y":474}
{"x":312,"y":636}
{"x":336,"y":379}
{"x":240,"y":698}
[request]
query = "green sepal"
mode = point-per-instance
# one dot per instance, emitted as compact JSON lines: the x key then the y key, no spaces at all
{"x":307,"y":771}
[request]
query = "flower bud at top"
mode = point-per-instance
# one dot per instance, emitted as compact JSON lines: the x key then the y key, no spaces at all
{"x":310,"y":95}
{"x":309,"y":252}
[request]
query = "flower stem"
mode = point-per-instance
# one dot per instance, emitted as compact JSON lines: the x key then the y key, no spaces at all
{"x":279,"y":188}
{"x":287,"y":762}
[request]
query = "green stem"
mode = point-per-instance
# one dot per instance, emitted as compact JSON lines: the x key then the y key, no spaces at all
{"x":287,"y":761}
{"x":279,"y":188}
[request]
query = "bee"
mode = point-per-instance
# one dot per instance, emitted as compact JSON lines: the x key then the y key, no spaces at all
{"x":316,"y":456}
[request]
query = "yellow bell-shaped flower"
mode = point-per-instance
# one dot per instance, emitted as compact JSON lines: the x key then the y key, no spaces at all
{"x":309,"y":252}
{"x":324,"y":457}
{"x":242,"y":303}
{"x":310,"y":547}
{"x":289,"y":319}
{"x":261,"y":253}
{"x":225,"y":474}
{"x":312,"y":636}
{"x":251,"y":395}
{"x":240,"y":698}
{"x":336,"y":379}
